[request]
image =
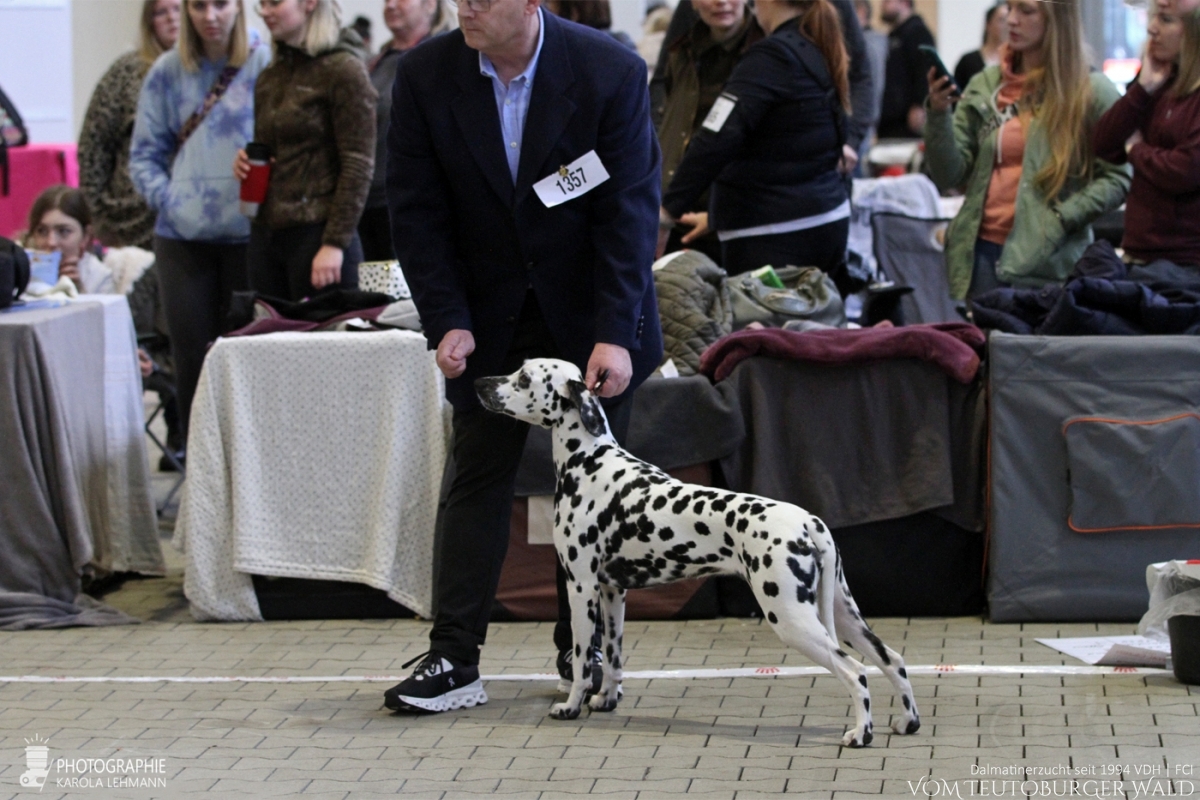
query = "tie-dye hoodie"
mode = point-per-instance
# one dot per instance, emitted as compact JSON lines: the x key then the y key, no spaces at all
{"x":194,"y":191}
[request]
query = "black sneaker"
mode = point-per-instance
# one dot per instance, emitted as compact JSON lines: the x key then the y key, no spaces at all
{"x":437,"y":684}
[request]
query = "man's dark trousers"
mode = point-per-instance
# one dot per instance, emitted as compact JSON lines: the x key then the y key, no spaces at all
{"x":473,"y":520}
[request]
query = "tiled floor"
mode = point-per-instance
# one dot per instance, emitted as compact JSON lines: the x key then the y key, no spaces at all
{"x":718,"y":738}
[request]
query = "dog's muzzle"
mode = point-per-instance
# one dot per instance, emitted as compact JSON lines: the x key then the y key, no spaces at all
{"x":488,"y":390}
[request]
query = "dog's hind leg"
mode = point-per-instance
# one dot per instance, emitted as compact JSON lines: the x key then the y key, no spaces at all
{"x":585,"y":608}
{"x":853,"y":629}
{"x":612,"y":609}
{"x":800,"y":627}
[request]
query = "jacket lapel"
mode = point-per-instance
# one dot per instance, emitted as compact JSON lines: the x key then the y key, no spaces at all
{"x":549,"y":108}
{"x":475,"y":111}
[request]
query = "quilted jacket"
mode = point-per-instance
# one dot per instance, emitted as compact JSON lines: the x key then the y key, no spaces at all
{"x":694,"y":306}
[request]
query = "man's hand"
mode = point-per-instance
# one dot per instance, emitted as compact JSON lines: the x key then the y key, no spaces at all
{"x":327,"y":266}
{"x":453,"y":350}
{"x":849,"y":160}
{"x":611,"y":357}
{"x":699,"y":222}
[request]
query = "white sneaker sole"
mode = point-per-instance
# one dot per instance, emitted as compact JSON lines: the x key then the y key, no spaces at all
{"x":467,"y":696}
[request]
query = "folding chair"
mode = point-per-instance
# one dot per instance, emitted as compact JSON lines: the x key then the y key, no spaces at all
{"x":163,"y":384}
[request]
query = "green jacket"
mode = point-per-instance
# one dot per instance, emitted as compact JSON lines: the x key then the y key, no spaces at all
{"x":960,"y":149}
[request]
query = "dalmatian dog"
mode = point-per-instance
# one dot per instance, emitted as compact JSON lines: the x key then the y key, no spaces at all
{"x":620,"y":523}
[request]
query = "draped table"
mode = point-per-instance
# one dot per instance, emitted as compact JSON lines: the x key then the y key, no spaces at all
{"x":313,"y":455}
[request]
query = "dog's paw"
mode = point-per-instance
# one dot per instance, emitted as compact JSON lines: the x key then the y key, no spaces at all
{"x":856,"y":738}
{"x":564,"y":711}
{"x":905,"y":724}
{"x":600,"y":702}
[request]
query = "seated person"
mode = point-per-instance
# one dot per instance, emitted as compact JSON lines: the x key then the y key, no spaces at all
{"x":60,"y":220}
{"x":1160,"y":116}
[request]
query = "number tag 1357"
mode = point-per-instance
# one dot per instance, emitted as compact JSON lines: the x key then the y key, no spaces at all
{"x":571,"y":180}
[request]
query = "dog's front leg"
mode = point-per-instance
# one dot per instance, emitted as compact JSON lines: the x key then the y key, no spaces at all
{"x":612,"y":611}
{"x":585,"y":605}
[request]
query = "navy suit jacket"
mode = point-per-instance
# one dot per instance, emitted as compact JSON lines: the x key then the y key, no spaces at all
{"x":471,"y":243}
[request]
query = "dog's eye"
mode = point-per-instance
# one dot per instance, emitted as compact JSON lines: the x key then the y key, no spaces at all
{"x":523,"y":381}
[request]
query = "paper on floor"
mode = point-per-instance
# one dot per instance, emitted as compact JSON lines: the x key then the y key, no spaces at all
{"x":1114,"y":651}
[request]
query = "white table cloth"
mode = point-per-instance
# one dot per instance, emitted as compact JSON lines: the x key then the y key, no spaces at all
{"x":313,"y":455}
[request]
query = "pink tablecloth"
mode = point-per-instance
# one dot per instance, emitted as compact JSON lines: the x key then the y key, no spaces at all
{"x":30,"y":170}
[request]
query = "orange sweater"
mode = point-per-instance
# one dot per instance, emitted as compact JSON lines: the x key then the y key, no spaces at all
{"x":999,"y":208}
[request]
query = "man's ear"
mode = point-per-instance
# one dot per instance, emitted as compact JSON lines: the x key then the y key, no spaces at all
{"x":589,"y":408}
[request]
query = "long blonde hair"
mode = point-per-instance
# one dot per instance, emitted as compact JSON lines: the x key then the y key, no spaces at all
{"x":149,"y":47}
{"x":1188,"y":79}
{"x":1060,"y":92}
{"x":191,"y":46}
{"x":323,"y":29}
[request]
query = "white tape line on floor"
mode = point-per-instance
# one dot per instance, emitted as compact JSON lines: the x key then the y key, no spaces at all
{"x":643,"y":675}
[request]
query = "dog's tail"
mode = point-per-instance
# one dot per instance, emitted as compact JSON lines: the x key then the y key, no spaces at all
{"x":828,"y":587}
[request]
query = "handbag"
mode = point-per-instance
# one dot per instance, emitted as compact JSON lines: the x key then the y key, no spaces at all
{"x":14,"y":271}
{"x":808,"y":294}
{"x":384,"y":277}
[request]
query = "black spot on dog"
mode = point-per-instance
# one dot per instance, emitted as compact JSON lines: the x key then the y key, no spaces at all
{"x":702,"y":529}
{"x":863,"y":680}
{"x":742,"y":525}
{"x":573,"y":444}
{"x":698,"y":508}
{"x":675,"y":490}
{"x":718,"y":505}
{"x":772,"y":618}
{"x":680,"y":505}
{"x":866,"y":704}
{"x":616,"y":476}
{"x":799,"y":548}
{"x":903,"y":674}
{"x":572,"y":553}
{"x":878,"y":645}
{"x":578,"y":652}
{"x":767,"y":560}
{"x":659,"y":502}
{"x":907,"y":703}
{"x":805,"y":595}
{"x":666,"y":534}
{"x":770,"y":589}
{"x":756,"y":509}
{"x":728,"y":540}
{"x":729,"y":518}
{"x":725,"y":551}
{"x":819,"y":526}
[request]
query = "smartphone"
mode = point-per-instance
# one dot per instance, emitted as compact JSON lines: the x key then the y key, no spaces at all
{"x":932,"y":59}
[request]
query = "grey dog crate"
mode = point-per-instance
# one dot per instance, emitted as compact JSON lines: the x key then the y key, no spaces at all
{"x":1094,"y":471}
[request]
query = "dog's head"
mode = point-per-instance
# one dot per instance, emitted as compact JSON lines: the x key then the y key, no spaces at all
{"x":545,"y":392}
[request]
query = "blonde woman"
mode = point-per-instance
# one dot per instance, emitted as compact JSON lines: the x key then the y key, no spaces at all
{"x":315,"y":109}
{"x":1160,"y":116}
{"x":1019,"y":146}
{"x":121,"y":215}
{"x":196,"y":109}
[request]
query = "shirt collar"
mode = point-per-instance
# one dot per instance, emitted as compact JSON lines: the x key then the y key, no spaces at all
{"x":487,"y":68}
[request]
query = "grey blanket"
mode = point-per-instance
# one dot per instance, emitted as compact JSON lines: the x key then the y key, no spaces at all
{"x":52,"y":428}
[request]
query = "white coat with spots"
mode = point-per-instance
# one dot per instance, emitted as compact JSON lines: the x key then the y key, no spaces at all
{"x":620,"y":523}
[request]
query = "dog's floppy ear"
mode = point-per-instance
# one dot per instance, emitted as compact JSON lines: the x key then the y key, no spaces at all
{"x":589,"y":408}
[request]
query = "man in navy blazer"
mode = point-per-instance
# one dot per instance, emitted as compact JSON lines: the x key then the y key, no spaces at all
{"x":516,"y":246}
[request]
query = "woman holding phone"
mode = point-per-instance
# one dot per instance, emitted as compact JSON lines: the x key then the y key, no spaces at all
{"x":315,"y":110}
{"x":1019,"y":147}
{"x":195,"y":109}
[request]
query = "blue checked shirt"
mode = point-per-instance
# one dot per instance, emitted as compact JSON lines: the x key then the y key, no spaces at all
{"x":512,"y":102}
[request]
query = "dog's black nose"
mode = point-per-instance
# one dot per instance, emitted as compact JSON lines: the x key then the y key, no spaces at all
{"x":485,"y":388}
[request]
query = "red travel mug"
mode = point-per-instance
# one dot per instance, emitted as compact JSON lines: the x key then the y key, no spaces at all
{"x":254,"y":187}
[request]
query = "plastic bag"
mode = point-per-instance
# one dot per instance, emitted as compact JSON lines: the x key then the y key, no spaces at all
{"x":1174,"y":592}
